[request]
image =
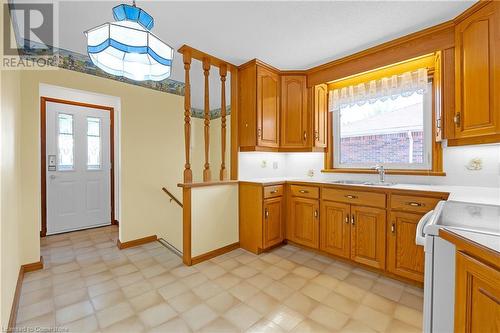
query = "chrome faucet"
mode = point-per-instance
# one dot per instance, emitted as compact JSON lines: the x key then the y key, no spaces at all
{"x":381,"y":173}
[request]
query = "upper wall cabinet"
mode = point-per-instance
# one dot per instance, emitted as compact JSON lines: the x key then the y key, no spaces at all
{"x":477,"y":77}
{"x":259,"y":98}
{"x":320,"y":113}
{"x":295,"y":117}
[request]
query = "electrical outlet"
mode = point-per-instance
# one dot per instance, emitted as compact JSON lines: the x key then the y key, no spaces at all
{"x":275,"y":165}
{"x":310,"y":172}
{"x":263,"y":164}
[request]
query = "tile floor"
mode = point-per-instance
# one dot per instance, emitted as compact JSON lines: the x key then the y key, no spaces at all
{"x":89,"y":285}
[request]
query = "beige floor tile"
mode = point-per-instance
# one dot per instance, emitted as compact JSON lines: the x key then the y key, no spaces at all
{"x":350,"y":291}
{"x":172,"y":290}
{"x":175,"y":325}
{"x":35,"y":310}
{"x":285,"y":264}
{"x":245,"y":258}
{"x":37,"y":275}
{"x":108,"y":299}
{"x":243,"y":291}
{"x":219,"y":325}
{"x":264,"y":326}
{"x":262,"y":303}
{"x":315,"y":291}
{"x":87,"y":324}
{"x":336,"y":272}
{"x":341,"y":303}
{"x":285,"y":317}
{"x":306,"y":272}
{"x":360,"y":281}
{"x":397,"y":326}
{"x":274,"y":272}
{"x":354,"y":326}
{"x":125,"y":280}
{"x":260,"y":281}
{"x":94,"y":269}
{"x":194,"y":280}
{"x":244,"y":272}
{"x":74,"y":312}
{"x":35,"y":296}
{"x":408,"y":315}
{"x":137,"y":288}
{"x":98,"y":278}
{"x":227,"y":281}
{"x":242,"y":316}
{"x":153,"y":270}
{"x":310,"y":326}
{"x":388,"y":289}
{"x":145,"y":300}
{"x":379,"y":303}
{"x":102,"y":288}
{"x":124,"y":270}
{"x":157,"y":314}
{"x":36,"y":285}
{"x":294,"y":281}
{"x":185,"y":301}
{"x":72,"y":297}
{"x":199,"y":316}
{"x":372,"y":318}
{"x":72,"y":266}
{"x":412,"y":301}
{"x":315,"y":264}
{"x":259,"y":265}
{"x":207,"y":290}
{"x":328,"y":317}
{"x":326,"y":281}
{"x":183,"y":271}
{"x":114,"y":314}
{"x":229,"y":265}
{"x":132,"y":325}
{"x":278,"y":290}
{"x":222,"y":302}
{"x":300,"y":303}
{"x":214,"y":271}
{"x":65,"y":277}
{"x":62,"y":288}
{"x":270,"y":258}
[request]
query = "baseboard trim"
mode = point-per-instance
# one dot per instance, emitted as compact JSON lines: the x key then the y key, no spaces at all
{"x":214,"y":253}
{"x":34,"y":266}
{"x":136,"y":242}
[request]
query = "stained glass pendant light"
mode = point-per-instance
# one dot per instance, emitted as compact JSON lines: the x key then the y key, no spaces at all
{"x":128,"y":48}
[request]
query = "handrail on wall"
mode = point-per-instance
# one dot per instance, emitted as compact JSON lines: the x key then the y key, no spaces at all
{"x":172,"y":197}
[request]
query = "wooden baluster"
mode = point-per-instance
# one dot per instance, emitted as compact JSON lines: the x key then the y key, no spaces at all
{"x":188,"y":173}
{"x":206,"y":71}
{"x":223,"y":73}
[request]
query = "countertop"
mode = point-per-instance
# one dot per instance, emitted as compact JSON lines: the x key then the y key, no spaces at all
{"x":471,"y":194}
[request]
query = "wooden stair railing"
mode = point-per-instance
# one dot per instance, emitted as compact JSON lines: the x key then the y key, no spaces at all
{"x":172,"y":197}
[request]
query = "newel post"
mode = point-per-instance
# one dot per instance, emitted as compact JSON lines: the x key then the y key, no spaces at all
{"x":206,"y":71}
{"x":223,"y":74}
{"x":188,"y":173}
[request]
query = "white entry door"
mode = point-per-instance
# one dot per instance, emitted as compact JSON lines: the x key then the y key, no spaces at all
{"x":78,"y":167}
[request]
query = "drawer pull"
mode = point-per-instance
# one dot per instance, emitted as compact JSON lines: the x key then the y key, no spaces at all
{"x":352,"y":220}
{"x":393,"y":228}
{"x":350,"y":196}
{"x":303,"y":191}
{"x":273,"y":191}
{"x":347,"y":219}
{"x":316,"y":213}
{"x":415,"y":204}
{"x":266,"y":214}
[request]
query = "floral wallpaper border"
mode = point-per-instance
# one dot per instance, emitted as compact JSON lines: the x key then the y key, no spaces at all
{"x":77,"y":62}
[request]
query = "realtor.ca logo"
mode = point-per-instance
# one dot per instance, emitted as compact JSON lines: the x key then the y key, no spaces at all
{"x":29,"y":36}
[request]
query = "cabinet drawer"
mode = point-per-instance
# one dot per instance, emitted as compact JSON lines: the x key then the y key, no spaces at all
{"x":304,"y":191}
{"x":412,"y":203}
{"x":354,"y":197}
{"x":273,"y":191}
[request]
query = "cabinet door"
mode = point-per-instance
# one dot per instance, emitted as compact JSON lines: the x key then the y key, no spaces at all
{"x":273,"y":221}
{"x":335,"y":228}
{"x":475,"y":54}
{"x":320,"y":115}
{"x":477,"y":296}
{"x":268,"y":106}
{"x":304,"y":222}
{"x":404,"y":257}
{"x":294,"y":112}
{"x":368,"y":236}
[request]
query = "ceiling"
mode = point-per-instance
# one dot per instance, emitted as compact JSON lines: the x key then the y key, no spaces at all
{"x":285,"y":34}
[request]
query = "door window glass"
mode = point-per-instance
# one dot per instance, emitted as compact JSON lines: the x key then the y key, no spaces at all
{"x":65,"y":142}
{"x":93,"y":143}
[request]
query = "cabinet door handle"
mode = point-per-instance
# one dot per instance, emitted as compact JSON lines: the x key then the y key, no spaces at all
{"x":350,"y":196}
{"x":393,"y":227}
{"x":305,"y":136}
{"x":457,"y":119}
{"x":347,"y":219}
{"x":266,"y":213}
{"x":415,"y":204}
{"x":352,"y":220}
{"x":273,"y":191}
{"x":303,"y":191}
{"x":316,"y":213}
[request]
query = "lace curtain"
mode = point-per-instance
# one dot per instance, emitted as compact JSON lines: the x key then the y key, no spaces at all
{"x":388,"y":87}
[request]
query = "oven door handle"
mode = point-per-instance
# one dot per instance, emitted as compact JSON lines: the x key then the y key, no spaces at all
{"x":419,"y":235}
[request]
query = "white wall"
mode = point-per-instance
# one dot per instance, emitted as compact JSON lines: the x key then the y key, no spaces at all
{"x":455,"y":159}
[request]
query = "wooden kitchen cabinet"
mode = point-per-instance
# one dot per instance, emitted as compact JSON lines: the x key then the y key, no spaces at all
{"x":273,"y":222}
{"x":295,"y":117}
{"x":368,"y":236}
{"x":259,"y":107}
{"x":404,"y":257}
{"x":335,"y":228}
{"x":477,"y":79}
{"x":320,"y":115}
{"x":477,"y":295}
{"x":302,"y":225}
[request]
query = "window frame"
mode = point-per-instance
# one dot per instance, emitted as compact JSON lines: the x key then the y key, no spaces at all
{"x":435,"y":166}
{"x":99,"y":122}
{"x":60,"y":167}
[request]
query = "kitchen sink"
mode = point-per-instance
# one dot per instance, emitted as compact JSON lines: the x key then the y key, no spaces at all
{"x":361,"y":182}
{"x":378,"y":184}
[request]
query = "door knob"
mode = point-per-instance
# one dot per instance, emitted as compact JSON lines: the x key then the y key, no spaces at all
{"x":52,"y":177}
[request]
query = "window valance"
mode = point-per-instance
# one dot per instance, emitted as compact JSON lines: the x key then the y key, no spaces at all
{"x":404,"y":84}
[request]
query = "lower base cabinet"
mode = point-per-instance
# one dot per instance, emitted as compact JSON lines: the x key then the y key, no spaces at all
{"x":273,"y":222}
{"x":335,"y":229}
{"x":477,"y":296}
{"x":303,"y":222}
{"x":404,"y":257}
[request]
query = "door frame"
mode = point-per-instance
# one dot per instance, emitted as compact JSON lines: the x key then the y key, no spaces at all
{"x":43,"y":147}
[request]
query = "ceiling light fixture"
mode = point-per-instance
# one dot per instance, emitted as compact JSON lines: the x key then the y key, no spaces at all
{"x":128,"y":48}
